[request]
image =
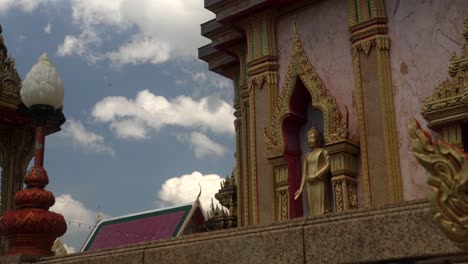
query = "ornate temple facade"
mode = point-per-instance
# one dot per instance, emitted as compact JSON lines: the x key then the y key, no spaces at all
{"x":336,"y":105}
{"x":355,"y":70}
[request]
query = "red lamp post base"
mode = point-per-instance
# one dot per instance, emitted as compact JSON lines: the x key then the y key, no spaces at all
{"x":31,"y":228}
{"x":31,"y":244}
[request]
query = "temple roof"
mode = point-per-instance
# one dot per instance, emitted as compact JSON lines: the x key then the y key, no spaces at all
{"x":145,"y":226}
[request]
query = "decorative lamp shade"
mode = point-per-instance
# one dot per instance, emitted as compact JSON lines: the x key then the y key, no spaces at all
{"x":42,"y":85}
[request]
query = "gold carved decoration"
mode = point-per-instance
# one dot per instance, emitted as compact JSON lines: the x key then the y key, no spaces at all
{"x":363,"y":11}
{"x":344,"y":165}
{"x":245,"y":162}
{"x":382,"y":42}
{"x":284,"y":204}
{"x":447,"y":166}
{"x":449,"y":101}
{"x":338,"y":193}
{"x":58,"y":248}
{"x":280,"y":172}
{"x":353,"y":201}
{"x":335,"y":124}
{"x":362,"y":129}
{"x":344,"y":193}
{"x":10,"y":81}
{"x":253,"y":155}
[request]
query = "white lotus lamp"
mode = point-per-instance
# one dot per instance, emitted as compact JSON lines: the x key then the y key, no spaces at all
{"x":42,"y":87}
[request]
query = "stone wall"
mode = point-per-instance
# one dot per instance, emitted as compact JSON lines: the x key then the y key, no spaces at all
{"x":405,"y":234}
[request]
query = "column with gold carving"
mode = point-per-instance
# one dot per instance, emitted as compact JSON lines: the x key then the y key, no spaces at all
{"x":262,"y":90}
{"x":241,"y":115}
{"x":375,"y":102}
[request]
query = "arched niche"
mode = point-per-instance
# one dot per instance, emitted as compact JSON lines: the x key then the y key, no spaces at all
{"x":303,"y":86}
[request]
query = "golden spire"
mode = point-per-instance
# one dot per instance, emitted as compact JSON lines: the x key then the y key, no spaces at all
{"x":199,"y":194}
{"x":99,"y":215}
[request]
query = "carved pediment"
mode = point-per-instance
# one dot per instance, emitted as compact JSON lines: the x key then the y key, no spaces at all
{"x":10,"y":81}
{"x":450,"y":97}
{"x":335,"y":124}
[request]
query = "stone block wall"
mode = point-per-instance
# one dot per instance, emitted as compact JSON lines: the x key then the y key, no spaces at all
{"x":400,"y":234}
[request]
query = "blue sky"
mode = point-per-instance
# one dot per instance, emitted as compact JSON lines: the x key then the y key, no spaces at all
{"x":146,"y":121}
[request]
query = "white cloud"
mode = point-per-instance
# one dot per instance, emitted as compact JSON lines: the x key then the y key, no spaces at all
{"x":134,"y":118}
{"x":160,"y":29}
{"x":22,"y":37}
{"x":185,"y":188}
{"x":80,"y":220}
{"x":203,"y":82}
{"x":86,"y":139}
{"x":203,"y":146}
{"x":199,"y":76}
{"x":70,"y":45}
{"x":130,"y":128}
{"x":153,"y":31}
{"x":24,"y":5}
{"x":141,"y":50}
{"x":48,"y":28}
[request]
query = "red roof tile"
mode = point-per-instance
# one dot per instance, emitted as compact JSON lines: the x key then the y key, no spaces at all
{"x":140,"y":227}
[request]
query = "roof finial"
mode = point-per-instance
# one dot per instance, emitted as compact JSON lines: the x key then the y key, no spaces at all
{"x":294,"y":23}
{"x":99,"y":214}
{"x":199,"y":194}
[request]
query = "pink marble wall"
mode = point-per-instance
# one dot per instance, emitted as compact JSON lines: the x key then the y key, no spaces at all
{"x":323,"y":29}
{"x":423,"y":34}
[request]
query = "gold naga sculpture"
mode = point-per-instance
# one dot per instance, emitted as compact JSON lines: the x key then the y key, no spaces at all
{"x":447,"y":166}
{"x":315,"y":167}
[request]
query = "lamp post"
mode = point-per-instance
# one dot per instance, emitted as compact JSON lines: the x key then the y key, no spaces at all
{"x":31,"y":228}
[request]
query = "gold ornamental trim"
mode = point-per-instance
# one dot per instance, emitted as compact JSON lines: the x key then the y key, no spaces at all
{"x":245,"y":162}
{"x":447,"y":168}
{"x":344,"y":193}
{"x":10,"y":81}
{"x":365,"y":12}
{"x":449,"y":101}
{"x":300,"y":68}
{"x":390,"y":131}
{"x":253,"y":155}
{"x":362,"y":129}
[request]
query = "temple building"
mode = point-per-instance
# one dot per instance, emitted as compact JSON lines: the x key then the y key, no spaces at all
{"x":356,"y":71}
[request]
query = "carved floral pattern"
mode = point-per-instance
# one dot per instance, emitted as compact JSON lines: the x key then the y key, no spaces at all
{"x":338,"y":193}
{"x":284,"y":208}
{"x":353,"y":201}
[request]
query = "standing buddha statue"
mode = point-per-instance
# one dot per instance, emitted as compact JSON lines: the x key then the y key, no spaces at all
{"x":315,"y":168}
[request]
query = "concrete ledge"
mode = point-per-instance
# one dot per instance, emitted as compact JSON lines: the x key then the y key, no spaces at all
{"x":406,"y":232}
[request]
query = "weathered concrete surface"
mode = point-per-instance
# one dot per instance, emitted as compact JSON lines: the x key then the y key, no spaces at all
{"x":405,"y":233}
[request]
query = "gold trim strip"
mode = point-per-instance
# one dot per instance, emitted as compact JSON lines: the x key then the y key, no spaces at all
{"x":388,"y":115}
{"x":362,"y":128}
{"x":245,"y":166}
{"x":253,"y":156}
